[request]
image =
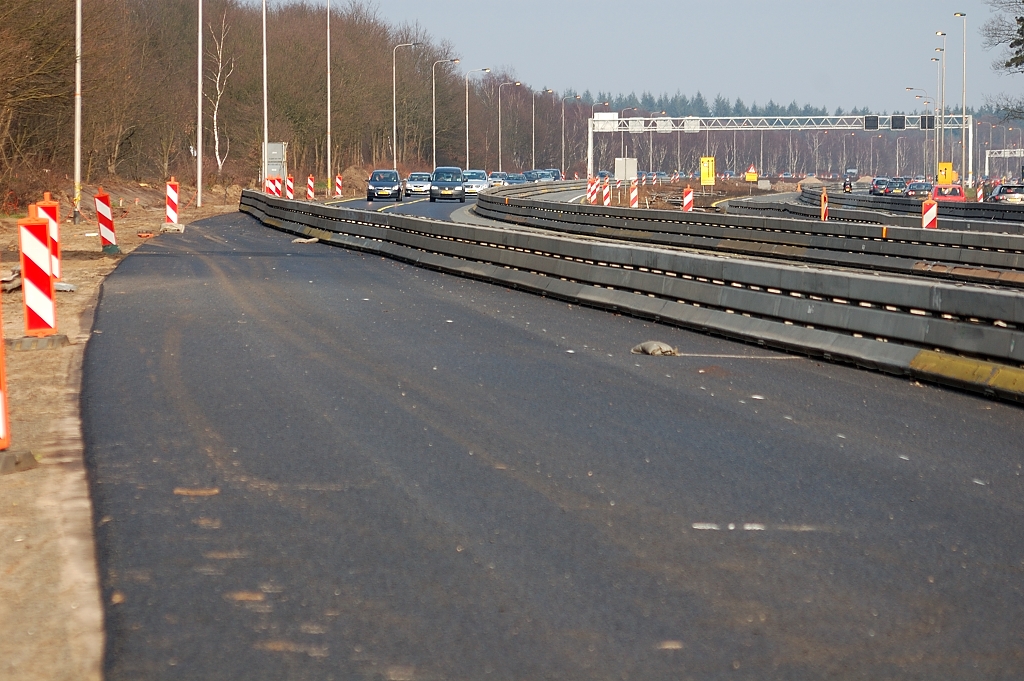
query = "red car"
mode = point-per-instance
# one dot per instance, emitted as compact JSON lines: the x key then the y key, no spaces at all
{"x":948,"y":192}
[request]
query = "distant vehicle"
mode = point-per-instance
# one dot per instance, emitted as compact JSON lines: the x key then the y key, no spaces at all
{"x":895,"y":187}
{"x":786,"y":175}
{"x":384,"y":184}
{"x":497,"y":179}
{"x":602,"y":174}
{"x":475,"y":181}
{"x":663,"y":177}
{"x":556,"y":174}
{"x":878,"y":186}
{"x":848,"y":185}
{"x":949,"y":192}
{"x":919,"y":190}
{"x":852,"y":173}
{"x":539,"y":176}
{"x":446,"y":183}
{"x":515,"y":178}
{"x":1008,"y":193}
{"x":418,"y":183}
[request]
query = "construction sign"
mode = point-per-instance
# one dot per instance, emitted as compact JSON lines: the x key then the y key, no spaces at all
{"x":707,"y":170}
{"x":751,"y":174}
{"x":945,"y":174}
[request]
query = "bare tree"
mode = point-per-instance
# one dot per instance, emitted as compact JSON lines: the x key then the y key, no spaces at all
{"x":221,"y":71}
{"x":1005,"y":31}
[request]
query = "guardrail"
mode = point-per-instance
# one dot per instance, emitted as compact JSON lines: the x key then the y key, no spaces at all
{"x":961,"y":335}
{"x":970,"y":257}
{"x":972,"y":212}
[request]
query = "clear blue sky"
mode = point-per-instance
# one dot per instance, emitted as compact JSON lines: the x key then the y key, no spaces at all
{"x":825,"y":53}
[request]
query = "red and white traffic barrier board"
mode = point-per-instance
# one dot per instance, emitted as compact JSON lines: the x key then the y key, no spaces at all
{"x":592,"y":190}
{"x":309,"y":189}
{"x":106,"y":221}
{"x":36,"y":276}
{"x":980,"y":194}
{"x":277,"y":187}
{"x":634,"y":195}
{"x":289,"y":188}
{"x":172,"y":202}
{"x":268,"y":186}
{"x":576,"y":176}
{"x":338,"y":185}
{"x":687,"y":204}
{"x":49,"y":210}
{"x":607,"y":192}
{"x":824,"y":205}
{"x":930,"y":214}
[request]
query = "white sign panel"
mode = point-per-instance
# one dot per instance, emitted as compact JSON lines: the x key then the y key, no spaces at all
{"x":691,"y":124}
{"x":663,"y":124}
{"x":636,"y":124}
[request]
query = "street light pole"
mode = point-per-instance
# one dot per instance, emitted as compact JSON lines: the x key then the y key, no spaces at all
{"x":78,"y":111}
{"x":199,"y":113}
{"x":266,"y":134}
{"x":925,"y":100}
{"x":329,"y":166}
{"x":394,"y":100}
{"x":544,"y":91}
{"x":467,"y":112}
{"x":433,"y":104}
{"x":938,"y":87}
{"x":963,"y":103}
{"x":501,"y":85}
{"x":942,"y":127}
{"x":562,"y":169}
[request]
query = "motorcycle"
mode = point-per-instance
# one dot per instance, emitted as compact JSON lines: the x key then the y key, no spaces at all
{"x":847,"y":186}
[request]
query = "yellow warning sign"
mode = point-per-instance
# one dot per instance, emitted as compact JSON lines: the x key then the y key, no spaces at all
{"x":707,"y":170}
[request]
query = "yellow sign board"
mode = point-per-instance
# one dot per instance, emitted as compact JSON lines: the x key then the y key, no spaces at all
{"x":945,"y":173}
{"x":750,"y":177}
{"x":707,"y":170}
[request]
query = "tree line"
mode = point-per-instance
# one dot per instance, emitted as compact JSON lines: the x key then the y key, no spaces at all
{"x":139,"y":85}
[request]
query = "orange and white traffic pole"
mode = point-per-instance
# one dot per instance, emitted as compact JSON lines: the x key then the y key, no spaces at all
{"x":824,"y":205}
{"x":338,"y":185}
{"x":277,"y":186}
{"x":634,"y":194}
{"x":36,"y":275}
{"x":687,"y":204}
{"x":289,"y":188}
{"x":929,"y":214}
{"x":310,"y":193}
{"x":171,"y":213}
{"x":49,"y":210}
{"x":607,"y":192}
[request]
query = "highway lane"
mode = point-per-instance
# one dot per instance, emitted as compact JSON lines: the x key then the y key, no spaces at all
{"x":314,"y":463}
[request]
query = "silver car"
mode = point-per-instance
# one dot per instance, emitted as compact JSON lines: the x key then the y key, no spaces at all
{"x":475,"y":181}
{"x":497,"y":179}
{"x":418,"y":183}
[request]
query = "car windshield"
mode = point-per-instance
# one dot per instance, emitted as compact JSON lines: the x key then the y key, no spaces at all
{"x":949,"y":191}
{"x":919,"y":185}
{"x":898,"y":185}
{"x":1011,"y":190}
{"x":517,"y":177}
{"x":474,"y":175}
{"x":499,"y":176}
{"x":419,"y":177}
{"x":447,"y":176}
{"x":384,"y":176}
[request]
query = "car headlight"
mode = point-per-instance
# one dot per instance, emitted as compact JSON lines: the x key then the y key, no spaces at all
{"x":434,"y":187}
{"x":397,"y":187}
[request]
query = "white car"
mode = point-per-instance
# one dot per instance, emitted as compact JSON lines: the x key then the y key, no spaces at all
{"x":475,"y":181}
{"x":497,"y":179}
{"x":418,"y":183}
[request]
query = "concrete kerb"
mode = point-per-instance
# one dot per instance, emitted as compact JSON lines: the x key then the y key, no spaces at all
{"x":987,"y":377}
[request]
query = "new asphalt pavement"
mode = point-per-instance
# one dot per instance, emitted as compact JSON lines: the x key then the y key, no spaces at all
{"x":314,"y":463}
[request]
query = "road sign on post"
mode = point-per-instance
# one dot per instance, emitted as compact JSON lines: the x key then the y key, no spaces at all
{"x":929,"y":214}
{"x":945,"y":173}
{"x":707,"y":171}
{"x":751,"y":174}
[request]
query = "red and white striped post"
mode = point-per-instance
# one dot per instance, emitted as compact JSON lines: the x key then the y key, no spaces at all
{"x":643,"y":180}
{"x":36,"y":276}
{"x":268,"y":186}
{"x":289,"y":188}
{"x":277,"y":186}
{"x":310,"y":193}
{"x":634,"y":195}
{"x":824,"y":205}
{"x":171,"y":216}
{"x":592,"y":190}
{"x":687,"y":204}
{"x":338,"y":185}
{"x":979,"y":193}
{"x":575,"y":176}
{"x":607,"y":192}
{"x":49,"y":210}
{"x":929,"y":214}
{"x":106,"y":221}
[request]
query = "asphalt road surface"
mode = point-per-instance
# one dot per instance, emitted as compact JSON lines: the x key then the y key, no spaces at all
{"x":313,"y":463}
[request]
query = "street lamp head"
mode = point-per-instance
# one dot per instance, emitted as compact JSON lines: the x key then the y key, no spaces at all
{"x":518,"y":83}
{"x":939,"y":49}
{"x":959,"y":14}
{"x":934,"y":59}
{"x":456,"y":61}
{"x":486,"y":70}
{"x":940,"y":33}
{"x":547,"y":91}
{"x":579,"y":97}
